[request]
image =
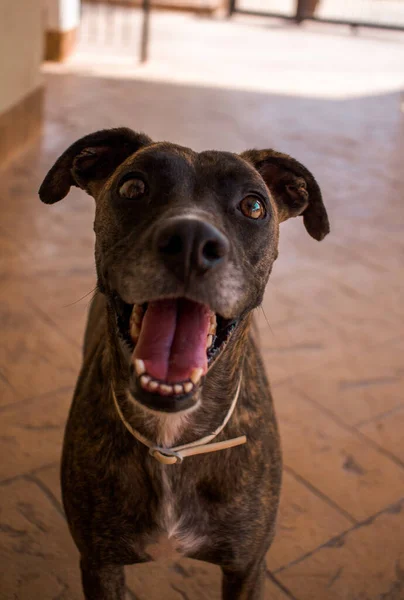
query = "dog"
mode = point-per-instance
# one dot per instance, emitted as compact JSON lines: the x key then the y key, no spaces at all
{"x":172,"y":432}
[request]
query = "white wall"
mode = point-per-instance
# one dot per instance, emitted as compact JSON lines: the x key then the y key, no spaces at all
{"x":21,"y":49}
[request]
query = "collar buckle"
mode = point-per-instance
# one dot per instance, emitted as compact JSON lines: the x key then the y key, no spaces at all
{"x":166,"y":456}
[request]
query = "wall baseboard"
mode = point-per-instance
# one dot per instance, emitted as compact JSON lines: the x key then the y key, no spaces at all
{"x":20,"y":124}
{"x":59,"y":44}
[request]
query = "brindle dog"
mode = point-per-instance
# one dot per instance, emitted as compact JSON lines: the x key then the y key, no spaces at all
{"x":185,"y":243}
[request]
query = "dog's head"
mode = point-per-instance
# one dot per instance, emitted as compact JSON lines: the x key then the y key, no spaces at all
{"x":185,"y":243}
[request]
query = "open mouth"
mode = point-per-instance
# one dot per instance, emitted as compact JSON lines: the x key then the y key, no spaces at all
{"x":173,"y":343}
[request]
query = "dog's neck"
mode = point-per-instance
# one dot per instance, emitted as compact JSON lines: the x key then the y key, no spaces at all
{"x":169,"y":429}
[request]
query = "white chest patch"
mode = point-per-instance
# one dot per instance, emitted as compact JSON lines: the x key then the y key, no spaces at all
{"x":178,"y":537}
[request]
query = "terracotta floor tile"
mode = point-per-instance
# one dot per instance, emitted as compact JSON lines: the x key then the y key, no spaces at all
{"x":367,"y":563}
{"x":35,"y":357}
{"x":64,"y":299}
{"x":38,"y":557}
{"x":300,"y":345}
{"x":45,"y":234}
{"x":31,"y":434}
{"x":11,"y":255}
{"x":50,"y":477}
{"x":8,"y":395}
{"x":363,"y":240}
{"x":348,"y":311}
{"x":352,"y":474}
{"x":319,"y":322}
{"x":305,"y":522}
{"x":388,"y":432}
{"x":361,"y":385}
{"x":184,"y":580}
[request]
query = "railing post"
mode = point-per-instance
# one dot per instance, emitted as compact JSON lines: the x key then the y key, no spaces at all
{"x":144,"y":41}
{"x":231,"y":7}
{"x":305,"y":9}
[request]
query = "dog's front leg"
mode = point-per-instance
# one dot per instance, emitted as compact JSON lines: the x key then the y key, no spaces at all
{"x":244,"y":585}
{"x":102,"y":582}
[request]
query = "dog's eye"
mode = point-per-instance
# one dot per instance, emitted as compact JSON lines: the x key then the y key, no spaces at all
{"x":252,"y":208}
{"x":132,"y":188}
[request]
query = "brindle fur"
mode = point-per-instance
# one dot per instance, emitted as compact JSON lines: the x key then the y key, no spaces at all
{"x":117,"y":498}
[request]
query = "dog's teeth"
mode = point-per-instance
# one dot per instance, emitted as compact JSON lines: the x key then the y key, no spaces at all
{"x":153,"y":385}
{"x":140,"y":366}
{"x":213,"y":321}
{"x":188,"y":387}
{"x":196,"y":375}
{"x":134,"y":331}
{"x":144,"y":381}
{"x":137,"y":313}
{"x":167,"y":390}
{"x":209,"y":341}
{"x":212,"y":329}
{"x":136,"y":316}
{"x":178,"y":389}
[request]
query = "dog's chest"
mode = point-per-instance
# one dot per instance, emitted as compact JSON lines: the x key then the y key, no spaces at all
{"x":180,"y":534}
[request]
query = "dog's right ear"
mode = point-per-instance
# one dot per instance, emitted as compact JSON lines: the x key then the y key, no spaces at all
{"x":294,"y":189}
{"x":90,"y":161}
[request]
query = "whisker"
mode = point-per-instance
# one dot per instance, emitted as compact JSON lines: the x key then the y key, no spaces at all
{"x":80,"y":299}
{"x":266,"y":319}
{"x":89,"y":302}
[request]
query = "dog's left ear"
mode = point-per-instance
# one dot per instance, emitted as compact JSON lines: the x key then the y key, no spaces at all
{"x":90,"y":161}
{"x":293,"y":188}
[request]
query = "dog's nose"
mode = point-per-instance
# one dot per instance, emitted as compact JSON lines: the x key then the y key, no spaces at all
{"x":190,"y":246}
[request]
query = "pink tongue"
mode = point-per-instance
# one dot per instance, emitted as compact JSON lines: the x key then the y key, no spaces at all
{"x":172,"y":341}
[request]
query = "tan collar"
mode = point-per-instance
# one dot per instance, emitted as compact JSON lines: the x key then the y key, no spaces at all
{"x":170,"y":456}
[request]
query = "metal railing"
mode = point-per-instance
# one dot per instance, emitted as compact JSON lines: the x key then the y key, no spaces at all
{"x":117,"y":22}
{"x":381,"y":14}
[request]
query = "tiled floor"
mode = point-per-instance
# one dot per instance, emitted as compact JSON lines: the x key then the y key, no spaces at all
{"x":334,"y":348}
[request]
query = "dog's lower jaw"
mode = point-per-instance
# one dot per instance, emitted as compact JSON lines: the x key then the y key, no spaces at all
{"x":166,"y":428}
{"x":167,"y":404}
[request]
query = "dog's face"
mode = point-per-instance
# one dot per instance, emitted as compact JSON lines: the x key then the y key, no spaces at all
{"x":185,"y":243}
